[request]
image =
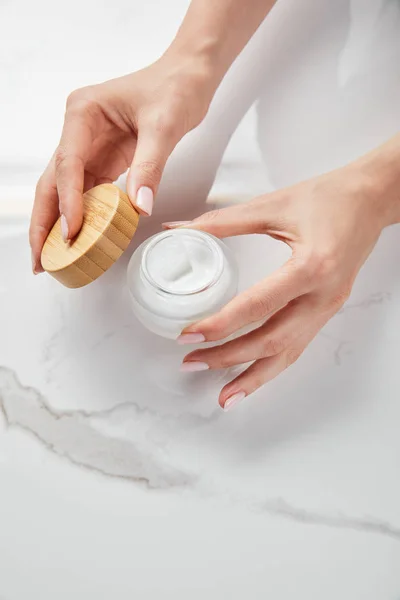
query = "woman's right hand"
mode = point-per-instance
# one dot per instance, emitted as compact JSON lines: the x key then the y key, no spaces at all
{"x":133,"y":121}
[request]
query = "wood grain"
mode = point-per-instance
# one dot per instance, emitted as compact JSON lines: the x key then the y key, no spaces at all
{"x":109,"y":223}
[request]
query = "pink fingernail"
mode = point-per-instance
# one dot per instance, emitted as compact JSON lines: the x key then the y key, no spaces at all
{"x":145,"y":200}
{"x":175,"y":224}
{"x":195,"y":365}
{"x":190,"y":338}
{"x":64,"y":228}
{"x":234,"y":399}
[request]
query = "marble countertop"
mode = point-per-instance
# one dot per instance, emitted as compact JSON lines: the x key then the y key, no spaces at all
{"x":115,"y":483}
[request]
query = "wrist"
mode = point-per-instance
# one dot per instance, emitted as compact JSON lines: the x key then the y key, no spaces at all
{"x":192,"y":79}
{"x":198,"y":58}
{"x":379,"y":177}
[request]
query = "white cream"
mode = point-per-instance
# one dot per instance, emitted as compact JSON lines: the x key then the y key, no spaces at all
{"x":180,"y":276}
{"x":183,"y":262}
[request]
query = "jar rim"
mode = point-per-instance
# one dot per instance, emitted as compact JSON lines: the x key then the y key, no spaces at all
{"x":206,"y":238}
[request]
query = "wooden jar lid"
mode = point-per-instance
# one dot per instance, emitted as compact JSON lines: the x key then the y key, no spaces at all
{"x":109,"y":223}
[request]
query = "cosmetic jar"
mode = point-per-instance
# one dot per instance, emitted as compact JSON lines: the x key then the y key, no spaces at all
{"x":178,"y":277}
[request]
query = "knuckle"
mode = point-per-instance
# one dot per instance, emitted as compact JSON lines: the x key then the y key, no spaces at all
{"x":211,"y":216}
{"x":81,"y":101}
{"x":178,"y":96}
{"x":217,"y":329}
{"x":340,"y":298}
{"x":273,"y":346}
{"x":303,"y":267}
{"x":63,"y":159}
{"x":292,"y":356}
{"x":165,"y":124}
{"x":260,"y":306}
{"x":210,"y":220}
{"x":221,"y":329}
{"x":151,"y":170}
{"x":225,"y":363}
{"x":60,"y":157}
{"x":221,"y":358}
{"x":74,"y":98}
{"x":318,"y":266}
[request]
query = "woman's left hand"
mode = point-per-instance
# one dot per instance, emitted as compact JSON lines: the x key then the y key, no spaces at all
{"x":331,"y":223}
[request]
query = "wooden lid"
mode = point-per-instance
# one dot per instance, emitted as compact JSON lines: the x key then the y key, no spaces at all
{"x":109,"y":223}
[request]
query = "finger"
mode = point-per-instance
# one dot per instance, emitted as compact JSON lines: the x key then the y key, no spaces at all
{"x":253,"y":305}
{"x":262,"y":371}
{"x":260,"y":215}
{"x":71,"y":156}
{"x":151,"y":154}
{"x":273,"y":337}
{"x":44,"y":214}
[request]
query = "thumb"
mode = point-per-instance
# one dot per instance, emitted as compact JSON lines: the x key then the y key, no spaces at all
{"x":241,"y":219}
{"x":147,"y":167}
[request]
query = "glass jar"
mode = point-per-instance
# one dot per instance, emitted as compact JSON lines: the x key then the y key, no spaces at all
{"x":178,"y":277}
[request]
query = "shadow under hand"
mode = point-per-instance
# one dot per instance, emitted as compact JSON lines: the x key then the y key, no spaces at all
{"x":342,"y":374}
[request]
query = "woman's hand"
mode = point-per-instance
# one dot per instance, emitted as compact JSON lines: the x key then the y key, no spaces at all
{"x":331,"y":224}
{"x":135,"y":121}
{"x":138,"y":119}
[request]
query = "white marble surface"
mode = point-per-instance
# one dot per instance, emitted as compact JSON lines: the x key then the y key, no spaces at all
{"x":112,"y":485}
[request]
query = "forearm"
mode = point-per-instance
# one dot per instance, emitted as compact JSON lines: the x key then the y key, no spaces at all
{"x":214,"y":32}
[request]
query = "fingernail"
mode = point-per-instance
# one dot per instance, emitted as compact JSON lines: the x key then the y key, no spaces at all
{"x":234,"y":399}
{"x":194,"y":365}
{"x":175,"y":224}
{"x":64,"y":228}
{"x":145,"y":200}
{"x":190,"y":338}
